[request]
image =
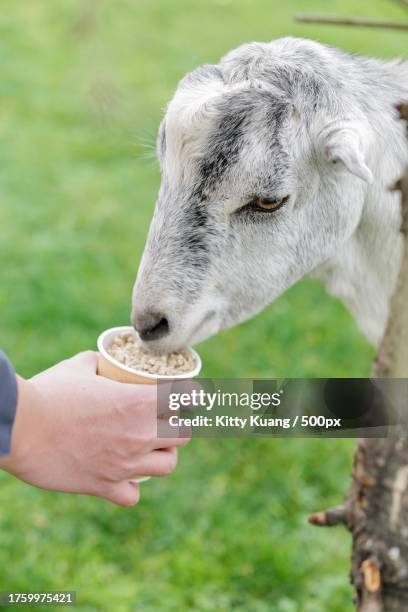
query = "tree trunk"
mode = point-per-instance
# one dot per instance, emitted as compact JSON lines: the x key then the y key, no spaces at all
{"x":376,"y":509}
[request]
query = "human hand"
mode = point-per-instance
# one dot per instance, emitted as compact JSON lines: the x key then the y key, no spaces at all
{"x":81,"y":433}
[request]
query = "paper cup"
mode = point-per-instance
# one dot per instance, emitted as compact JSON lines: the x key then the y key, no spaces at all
{"x":110,"y":368}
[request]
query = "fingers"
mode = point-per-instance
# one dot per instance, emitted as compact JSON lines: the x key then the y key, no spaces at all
{"x":175,"y":395}
{"x":157,"y":463}
{"x":158,"y":398}
{"x":144,"y":420}
{"x":125,"y":494}
{"x":85,"y":361}
{"x":166,"y":443}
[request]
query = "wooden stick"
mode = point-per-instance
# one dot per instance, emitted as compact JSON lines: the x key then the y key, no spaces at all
{"x":352,"y":21}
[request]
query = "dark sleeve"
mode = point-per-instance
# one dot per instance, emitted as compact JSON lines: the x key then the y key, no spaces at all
{"x":8,"y":402}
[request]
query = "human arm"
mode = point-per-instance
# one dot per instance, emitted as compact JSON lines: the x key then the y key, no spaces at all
{"x":77,"y":432}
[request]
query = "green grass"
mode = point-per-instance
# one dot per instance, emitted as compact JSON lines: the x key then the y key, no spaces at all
{"x":83,"y":85}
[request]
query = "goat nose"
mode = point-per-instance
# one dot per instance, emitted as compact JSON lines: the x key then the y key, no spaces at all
{"x":151,"y":325}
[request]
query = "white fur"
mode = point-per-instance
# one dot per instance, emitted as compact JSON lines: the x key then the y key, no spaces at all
{"x":336,"y":153}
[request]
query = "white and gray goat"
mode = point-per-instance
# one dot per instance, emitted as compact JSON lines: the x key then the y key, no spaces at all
{"x":275,"y":165}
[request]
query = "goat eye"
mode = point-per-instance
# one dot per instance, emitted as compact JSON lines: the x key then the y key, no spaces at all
{"x":267,"y":204}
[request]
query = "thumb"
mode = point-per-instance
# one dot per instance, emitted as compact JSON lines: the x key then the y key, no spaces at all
{"x":85,"y":361}
{"x":125,"y":494}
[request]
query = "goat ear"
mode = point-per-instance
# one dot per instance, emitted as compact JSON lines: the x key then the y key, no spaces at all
{"x":343,"y":144}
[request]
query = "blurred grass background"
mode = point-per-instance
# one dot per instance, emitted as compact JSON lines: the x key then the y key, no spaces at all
{"x":82,"y":88}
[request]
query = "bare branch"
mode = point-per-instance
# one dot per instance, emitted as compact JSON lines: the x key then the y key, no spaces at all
{"x":352,"y":21}
{"x":331,"y":517}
